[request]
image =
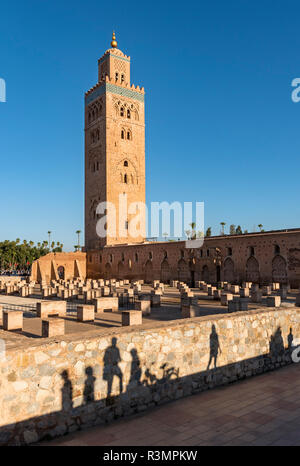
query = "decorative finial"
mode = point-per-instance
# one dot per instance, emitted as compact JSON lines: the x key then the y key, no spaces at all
{"x":114,"y":43}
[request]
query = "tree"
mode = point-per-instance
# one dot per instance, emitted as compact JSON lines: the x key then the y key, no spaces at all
{"x":232,"y":230}
{"x":208,"y":232}
{"x":193,"y":233}
{"x":260,"y":227}
{"x":78,"y":234}
{"x":239,"y":230}
{"x":49,"y":236}
{"x":222,"y":225}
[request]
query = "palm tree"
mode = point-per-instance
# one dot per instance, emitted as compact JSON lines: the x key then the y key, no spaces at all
{"x":260,"y":226}
{"x":78,"y":233}
{"x":193,"y":227}
{"x":223,"y":225}
{"x":49,"y":241}
{"x":165,"y":235}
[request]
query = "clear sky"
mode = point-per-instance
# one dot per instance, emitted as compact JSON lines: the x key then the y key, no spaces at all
{"x":221,"y":124}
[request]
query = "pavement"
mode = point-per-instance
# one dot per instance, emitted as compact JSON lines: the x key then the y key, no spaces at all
{"x":262,"y":410}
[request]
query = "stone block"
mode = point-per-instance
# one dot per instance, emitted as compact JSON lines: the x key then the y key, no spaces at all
{"x":225,"y":298}
{"x":85,"y":313}
{"x":133,"y":317}
{"x":12,"y":320}
{"x":233,"y":306}
{"x":217,"y":294}
{"x":273,"y":301}
{"x":106,"y":304}
{"x":144,"y":306}
{"x":155,"y":300}
{"x":53,"y":327}
{"x":235,"y":289}
{"x":46,"y":309}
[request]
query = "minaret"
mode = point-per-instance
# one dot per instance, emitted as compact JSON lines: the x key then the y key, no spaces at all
{"x":114,"y":150}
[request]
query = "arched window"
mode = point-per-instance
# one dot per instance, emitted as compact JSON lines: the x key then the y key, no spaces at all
{"x":122,"y":134}
{"x":125,"y":179}
{"x":229,"y":251}
{"x":125,"y":163}
{"x":277,"y":249}
{"x":136,"y":257}
{"x":122,"y":78}
{"x":123,"y":257}
{"x":128,"y":135}
{"x":100,"y":258}
{"x":251,"y":251}
{"x":150,"y":255}
{"x":122,"y":111}
{"x":93,"y":115}
{"x":128,"y":113}
{"x":110,"y":258}
{"x":89,"y":118}
{"x":117,"y":76}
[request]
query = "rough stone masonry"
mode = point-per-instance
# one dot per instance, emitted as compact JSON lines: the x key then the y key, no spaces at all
{"x":49,"y":388}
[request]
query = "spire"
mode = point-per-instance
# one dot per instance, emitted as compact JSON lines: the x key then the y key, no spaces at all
{"x":114,"y":43}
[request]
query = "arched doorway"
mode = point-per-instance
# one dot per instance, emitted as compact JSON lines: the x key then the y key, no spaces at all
{"x":61,"y":272}
{"x":107,"y":270}
{"x":165,"y":272}
{"x":148,"y":272}
{"x":205,"y":274}
{"x":279,"y":272}
{"x":252,"y":270}
{"x":229,"y":270}
{"x":121,"y":270}
{"x":184,"y":274}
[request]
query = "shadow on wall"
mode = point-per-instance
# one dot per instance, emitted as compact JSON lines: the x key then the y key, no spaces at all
{"x":141,"y":392}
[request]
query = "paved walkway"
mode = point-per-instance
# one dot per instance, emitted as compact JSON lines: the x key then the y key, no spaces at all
{"x":263,"y":410}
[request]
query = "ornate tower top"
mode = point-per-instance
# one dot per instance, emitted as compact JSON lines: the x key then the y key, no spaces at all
{"x":114,"y":43}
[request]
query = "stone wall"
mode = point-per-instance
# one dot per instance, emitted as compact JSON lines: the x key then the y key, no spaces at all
{"x":264,"y":258}
{"x":54,"y":386}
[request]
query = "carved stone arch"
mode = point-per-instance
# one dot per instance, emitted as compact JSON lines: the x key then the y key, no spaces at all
{"x":165,"y":271}
{"x":121,"y":269}
{"x":279,"y":269}
{"x":252,"y":270}
{"x":205,"y":273}
{"x":148,"y":271}
{"x":93,"y":208}
{"x":229,"y":270}
{"x":108,"y":270}
{"x":184,"y":274}
{"x":131,"y":166}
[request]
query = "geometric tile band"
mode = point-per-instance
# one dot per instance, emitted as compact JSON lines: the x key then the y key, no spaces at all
{"x":107,"y":87}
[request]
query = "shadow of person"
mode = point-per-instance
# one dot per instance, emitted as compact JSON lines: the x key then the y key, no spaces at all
{"x":277,"y":344}
{"x":290,"y":339}
{"x":111,"y":369}
{"x":89,"y":386}
{"x":135,"y":370}
{"x":66,"y":392}
{"x":214,"y":347}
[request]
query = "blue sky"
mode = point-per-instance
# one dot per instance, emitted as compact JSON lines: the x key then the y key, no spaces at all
{"x":221,"y":125}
